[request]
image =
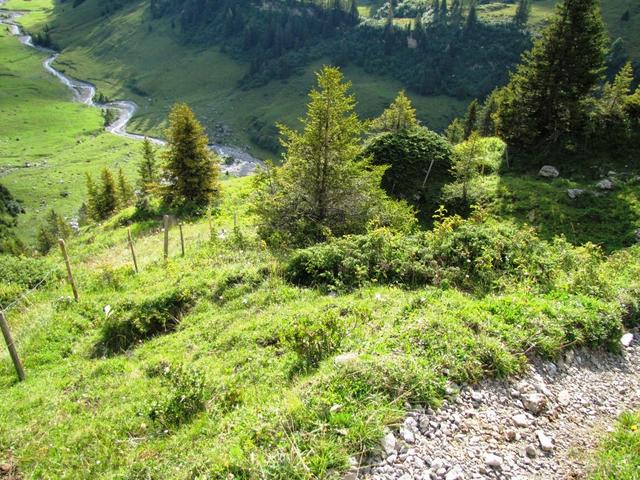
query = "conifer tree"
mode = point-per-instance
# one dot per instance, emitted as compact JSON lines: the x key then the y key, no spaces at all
{"x":147,"y":170}
{"x":544,"y":102}
{"x":472,"y":16}
{"x":522,"y":13}
{"x":471,"y":119}
{"x":466,"y":158}
{"x":107,"y":196}
{"x":191,"y":170}
{"x":400,"y":115}
{"x":54,"y":228}
{"x":486,"y":125}
{"x":125,"y":190}
{"x":325,"y":186}
{"x":435,"y":10}
{"x":456,"y":12}
{"x":444,"y":10}
{"x":92,"y":197}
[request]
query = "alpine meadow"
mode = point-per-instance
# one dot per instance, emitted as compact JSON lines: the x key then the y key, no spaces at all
{"x":320,"y":239}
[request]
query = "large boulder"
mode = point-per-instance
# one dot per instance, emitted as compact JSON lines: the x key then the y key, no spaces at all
{"x":549,"y":172}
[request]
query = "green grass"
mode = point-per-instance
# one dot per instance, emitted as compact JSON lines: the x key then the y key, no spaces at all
{"x":47,"y":142}
{"x":273,"y":403}
{"x":619,"y":453}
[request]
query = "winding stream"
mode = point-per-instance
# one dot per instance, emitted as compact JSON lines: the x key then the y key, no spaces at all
{"x":235,"y":161}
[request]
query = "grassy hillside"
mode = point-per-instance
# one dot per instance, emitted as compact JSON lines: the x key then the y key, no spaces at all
{"x":129,"y":56}
{"x":47,"y":142}
{"x":215,"y":364}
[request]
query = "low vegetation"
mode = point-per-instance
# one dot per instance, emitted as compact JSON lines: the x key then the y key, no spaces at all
{"x":619,"y":455}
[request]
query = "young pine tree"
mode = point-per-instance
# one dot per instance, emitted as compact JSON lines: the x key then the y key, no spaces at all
{"x":399,"y":116}
{"x":53,"y":229}
{"x":148,"y":174}
{"x":523,"y":9}
{"x":472,"y":16}
{"x":92,"y":198}
{"x":192,"y":171}
{"x":107,"y":196}
{"x":125,"y":190}
{"x":465,"y":165}
{"x":325,"y":187}
{"x":544,"y":103}
{"x":471,"y":119}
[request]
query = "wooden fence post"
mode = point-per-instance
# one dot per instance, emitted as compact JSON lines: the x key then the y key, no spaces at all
{"x":72,"y":282}
{"x":12,"y":347}
{"x":166,"y":237}
{"x":181,"y":238}
{"x":133,"y":252}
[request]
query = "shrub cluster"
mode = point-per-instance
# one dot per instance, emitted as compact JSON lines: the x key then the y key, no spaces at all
{"x":18,"y":274}
{"x":478,"y":254}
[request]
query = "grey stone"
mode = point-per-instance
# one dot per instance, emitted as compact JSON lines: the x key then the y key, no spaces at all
{"x":626,"y":339}
{"x":493,"y":461}
{"x":534,"y":402}
{"x":574,"y":193}
{"x":546,"y":443}
{"x":605,"y":184}
{"x":389,"y":443}
{"x":549,"y":171}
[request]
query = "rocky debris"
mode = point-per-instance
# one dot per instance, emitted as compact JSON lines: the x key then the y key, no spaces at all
{"x":546,"y":443}
{"x":574,"y":193}
{"x":345,"y":358}
{"x":545,"y":424}
{"x":605,"y":184}
{"x":549,"y":172}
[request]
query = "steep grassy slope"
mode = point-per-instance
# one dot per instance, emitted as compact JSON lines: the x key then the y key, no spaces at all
{"x":47,"y":142}
{"x":215,"y":365}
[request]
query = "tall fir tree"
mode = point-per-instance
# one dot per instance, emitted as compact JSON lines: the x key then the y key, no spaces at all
{"x":523,"y":9}
{"x":106,"y":196}
{"x":444,"y":10}
{"x":148,"y":174}
{"x":544,"y":103}
{"x":191,"y":170}
{"x":326,"y":187}
{"x":125,"y":190}
{"x":472,"y":15}
{"x":471,"y":119}
{"x":54,"y":228}
{"x":456,"y":12}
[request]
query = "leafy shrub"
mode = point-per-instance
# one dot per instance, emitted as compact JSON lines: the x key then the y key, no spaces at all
{"x":185,"y":398}
{"x":314,"y":339}
{"x":133,"y":322}
{"x":475,"y":254}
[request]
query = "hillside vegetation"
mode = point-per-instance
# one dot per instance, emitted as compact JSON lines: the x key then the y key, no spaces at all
{"x":47,"y":142}
{"x":380,"y":266}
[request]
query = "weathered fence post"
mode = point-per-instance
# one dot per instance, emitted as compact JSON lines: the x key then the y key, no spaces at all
{"x":12,"y":347}
{"x":72,"y":282}
{"x":181,"y":238}
{"x":166,"y":237}
{"x":133,"y":252}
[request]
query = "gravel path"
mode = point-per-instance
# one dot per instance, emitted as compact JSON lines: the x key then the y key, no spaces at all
{"x":544,"y":425}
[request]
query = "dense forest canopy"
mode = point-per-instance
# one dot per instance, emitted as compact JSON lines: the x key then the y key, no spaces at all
{"x":445,"y":52}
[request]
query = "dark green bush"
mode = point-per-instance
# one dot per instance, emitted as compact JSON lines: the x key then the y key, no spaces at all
{"x":132,"y":322}
{"x":475,"y":254}
{"x":185,"y":396}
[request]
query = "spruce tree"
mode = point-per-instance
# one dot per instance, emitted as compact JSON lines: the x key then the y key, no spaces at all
{"x":92,"y":198}
{"x":456,"y":12}
{"x":107,"y":196}
{"x":125,"y":191}
{"x":523,"y":10}
{"x":471,"y":119}
{"x":326,"y":186}
{"x":444,"y":10}
{"x":400,"y":115}
{"x":544,"y":102}
{"x":191,"y":170}
{"x":147,"y":170}
{"x":472,"y":16}
{"x":54,"y":228}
